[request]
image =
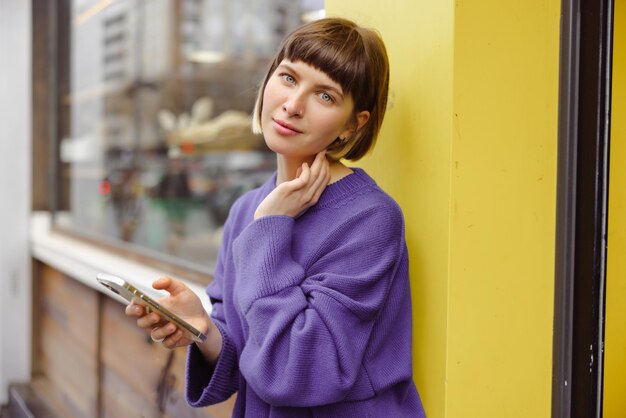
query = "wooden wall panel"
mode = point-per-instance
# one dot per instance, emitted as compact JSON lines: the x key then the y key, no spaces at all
{"x":121,"y":399}
{"x":138,"y":372}
{"x":68,"y":337}
{"x":177,"y":396}
{"x":95,"y":362}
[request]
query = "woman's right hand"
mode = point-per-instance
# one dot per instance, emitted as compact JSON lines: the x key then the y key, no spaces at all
{"x":292,"y":198}
{"x":188,"y":306}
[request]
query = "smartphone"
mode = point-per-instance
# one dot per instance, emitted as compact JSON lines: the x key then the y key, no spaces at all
{"x":129,"y":292}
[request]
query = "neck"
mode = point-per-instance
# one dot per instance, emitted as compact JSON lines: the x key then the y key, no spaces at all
{"x":288,"y":167}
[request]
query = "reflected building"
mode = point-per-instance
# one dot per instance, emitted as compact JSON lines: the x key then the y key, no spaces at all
{"x":155,"y":117}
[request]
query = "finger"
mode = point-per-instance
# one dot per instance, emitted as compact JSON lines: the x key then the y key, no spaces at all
{"x":318,"y":193}
{"x":324,"y":180}
{"x":316,"y":166}
{"x":159,"y":334}
{"x":148,"y":321}
{"x":323,"y":172}
{"x":172,"y":340}
{"x":320,"y":183}
{"x":134,"y":309}
{"x":326,"y":172}
{"x":302,"y":180}
{"x":306,"y":172}
{"x":172,"y":286}
{"x":321,"y":162}
{"x":312,"y":191}
{"x":321,"y":157}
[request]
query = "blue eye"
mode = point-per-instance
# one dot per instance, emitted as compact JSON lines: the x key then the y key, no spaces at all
{"x":288,"y":78}
{"x":326,"y":97}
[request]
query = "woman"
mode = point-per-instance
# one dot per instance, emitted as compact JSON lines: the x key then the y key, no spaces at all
{"x":311,"y":302}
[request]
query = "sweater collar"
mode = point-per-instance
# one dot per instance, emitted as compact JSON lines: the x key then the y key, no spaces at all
{"x":346,"y":186}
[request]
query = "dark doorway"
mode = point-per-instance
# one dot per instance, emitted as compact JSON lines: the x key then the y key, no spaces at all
{"x":584,"y":131}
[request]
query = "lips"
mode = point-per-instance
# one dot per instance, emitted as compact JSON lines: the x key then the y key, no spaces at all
{"x":285,"y":128}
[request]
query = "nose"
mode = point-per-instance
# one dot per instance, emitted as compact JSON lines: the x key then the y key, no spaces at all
{"x":294,"y":105}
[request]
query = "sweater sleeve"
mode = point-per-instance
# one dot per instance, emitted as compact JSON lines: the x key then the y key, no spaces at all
{"x":208,"y":384}
{"x":309,"y":327}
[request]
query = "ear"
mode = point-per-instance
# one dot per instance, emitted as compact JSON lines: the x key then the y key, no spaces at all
{"x":361,"y":119}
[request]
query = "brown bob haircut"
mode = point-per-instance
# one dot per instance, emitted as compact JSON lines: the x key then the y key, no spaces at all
{"x":352,"y":56}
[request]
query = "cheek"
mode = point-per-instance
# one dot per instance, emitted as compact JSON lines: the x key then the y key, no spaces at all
{"x":334,"y":124}
{"x":270,"y":96}
{"x":265,"y":106}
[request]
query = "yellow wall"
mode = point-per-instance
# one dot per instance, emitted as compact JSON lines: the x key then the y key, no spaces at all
{"x":615,"y":341}
{"x":501,"y":296}
{"x":412,"y":161}
{"x":469,"y":151}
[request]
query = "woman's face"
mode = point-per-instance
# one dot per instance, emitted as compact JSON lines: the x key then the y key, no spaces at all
{"x":304,"y":111}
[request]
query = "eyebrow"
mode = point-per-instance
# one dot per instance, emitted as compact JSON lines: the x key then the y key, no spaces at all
{"x":321,"y":86}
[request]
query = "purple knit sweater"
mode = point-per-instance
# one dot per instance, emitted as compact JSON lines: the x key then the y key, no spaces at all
{"x":315,"y":312}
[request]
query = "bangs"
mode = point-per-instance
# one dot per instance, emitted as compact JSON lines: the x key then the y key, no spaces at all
{"x":342,"y":58}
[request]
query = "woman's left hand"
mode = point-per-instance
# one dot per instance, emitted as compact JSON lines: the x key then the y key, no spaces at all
{"x":185,"y":303}
{"x":294,"y":197}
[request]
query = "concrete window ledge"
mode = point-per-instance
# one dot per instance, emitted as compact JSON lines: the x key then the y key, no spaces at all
{"x":82,"y":260}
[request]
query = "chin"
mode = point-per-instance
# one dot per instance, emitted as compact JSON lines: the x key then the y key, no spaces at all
{"x":276,"y":146}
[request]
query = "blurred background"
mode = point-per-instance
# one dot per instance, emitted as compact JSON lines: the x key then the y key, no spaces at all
{"x":125,"y":138}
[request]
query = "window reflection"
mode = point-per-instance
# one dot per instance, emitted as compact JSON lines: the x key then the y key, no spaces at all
{"x":155,"y":116}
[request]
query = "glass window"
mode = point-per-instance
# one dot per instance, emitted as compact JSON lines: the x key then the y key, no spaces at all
{"x":155,"y":102}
